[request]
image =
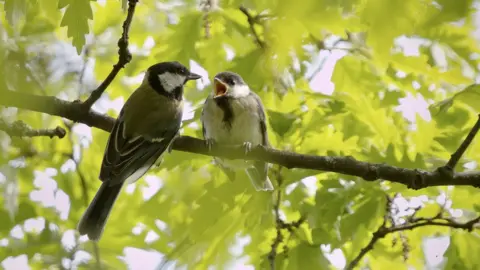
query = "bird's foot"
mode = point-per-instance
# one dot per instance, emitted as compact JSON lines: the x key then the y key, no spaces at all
{"x":248,"y":147}
{"x":209,"y":143}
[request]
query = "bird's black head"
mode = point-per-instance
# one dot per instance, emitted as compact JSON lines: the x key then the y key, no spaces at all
{"x":229,"y":84}
{"x":168,"y":78}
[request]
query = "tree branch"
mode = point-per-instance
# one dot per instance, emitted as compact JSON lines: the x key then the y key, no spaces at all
{"x":20,"y":129}
{"x":448,"y":170}
{"x":463,"y":147}
{"x":124,"y":57}
{"x":383,"y":230}
{"x":252,"y":20}
{"x":207,"y":6}
{"x":280,"y":224}
{"x":278,"y":221}
{"x":54,"y":106}
{"x":415,"y":179}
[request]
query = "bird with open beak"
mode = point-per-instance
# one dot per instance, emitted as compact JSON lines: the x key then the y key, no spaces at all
{"x":233,"y":114}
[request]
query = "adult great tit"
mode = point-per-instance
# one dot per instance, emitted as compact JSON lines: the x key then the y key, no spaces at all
{"x":233,"y":114}
{"x":146,"y":126}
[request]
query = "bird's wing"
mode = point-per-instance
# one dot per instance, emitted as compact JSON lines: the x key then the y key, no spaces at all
{"x":262,"y":119}
{"x":259,"y":173}
{"x":140,"y":135}
{"x":129,"y":156}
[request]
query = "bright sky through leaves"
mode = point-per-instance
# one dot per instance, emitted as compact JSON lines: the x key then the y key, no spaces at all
{"x":368,"y":96}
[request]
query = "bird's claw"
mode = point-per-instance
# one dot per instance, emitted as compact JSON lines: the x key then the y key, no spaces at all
{"x":209,"y":143}
{"x":247,"y":146}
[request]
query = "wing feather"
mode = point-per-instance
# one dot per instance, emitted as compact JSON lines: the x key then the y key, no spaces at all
{"x":259,"y":173}
{"x":127,"y":155}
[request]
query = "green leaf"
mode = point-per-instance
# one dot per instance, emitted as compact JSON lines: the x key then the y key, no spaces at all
{"x":105,"y":18}
{"x":281,"y":122}
{"x":15,"y":11}
{"x":464,"y":198}
{"x":6,"y":225}
{"x":320,"y":236}
{"x":76,"y":20}
{"x":63,"y":3}
{"x":459,"y":252}
{"x":450,"y":12}
{"x":182,"y":40}
{"x":10,"y":192}
{"x":25,"y":211}
{"x":469,"y":96}
{"x":366,"y":211}
{"x":252,"y":68}
{"x":305,"y":256}
{"x":459,"y":39}
{"x":387,"y":20}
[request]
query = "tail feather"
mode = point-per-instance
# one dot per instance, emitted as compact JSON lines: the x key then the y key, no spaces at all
{"x":95,"y":217}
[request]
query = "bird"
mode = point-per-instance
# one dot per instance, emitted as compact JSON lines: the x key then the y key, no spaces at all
{"x":233,"y":114}
{"x":146,"y":126}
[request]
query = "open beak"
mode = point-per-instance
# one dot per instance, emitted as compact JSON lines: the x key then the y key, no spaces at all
{"x":193,"y":76}
{"x":220,"y":88}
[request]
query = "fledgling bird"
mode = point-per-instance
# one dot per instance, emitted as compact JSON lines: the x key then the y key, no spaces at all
{"x":233,"y":114}
{"x":146,"y":126}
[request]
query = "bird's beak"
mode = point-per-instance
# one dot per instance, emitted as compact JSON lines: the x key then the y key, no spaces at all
{"x":193,"y":76}
{"x":219,"y":88}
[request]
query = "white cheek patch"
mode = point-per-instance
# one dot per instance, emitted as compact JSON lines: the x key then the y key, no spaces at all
{"x":240,"y":91}
{"x":170,"y":81}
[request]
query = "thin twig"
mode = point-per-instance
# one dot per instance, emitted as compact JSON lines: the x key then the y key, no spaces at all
{"x":279,"y":226}
{"x":82,"y":72}
{"x":382,"y":231}
{"x":124,"y":57}
{"x":469,"y":226}
{"x":20,"y":129}
{"x":278,"y":221}
{"x":455,"y":157}
{"x":207,"y":6}
{"x":252,"y":21}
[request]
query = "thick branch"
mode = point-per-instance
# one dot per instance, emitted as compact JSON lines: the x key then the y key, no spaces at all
{"x":54,"y":106}
{"x":20,"y":129}
{"x":415,"y":179}
{"x":124,"y":57}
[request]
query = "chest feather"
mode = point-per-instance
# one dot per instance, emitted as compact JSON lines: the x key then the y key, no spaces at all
{"x":232,"y":122}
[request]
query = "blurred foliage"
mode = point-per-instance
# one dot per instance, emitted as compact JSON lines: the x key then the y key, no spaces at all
{"x":412,"y":53}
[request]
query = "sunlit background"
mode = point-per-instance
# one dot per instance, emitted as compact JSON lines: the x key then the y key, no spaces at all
{"x":75,"y":75}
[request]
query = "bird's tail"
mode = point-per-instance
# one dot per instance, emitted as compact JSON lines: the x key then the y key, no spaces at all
{"x":259,"y":183}
{"x":95,"y":217}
